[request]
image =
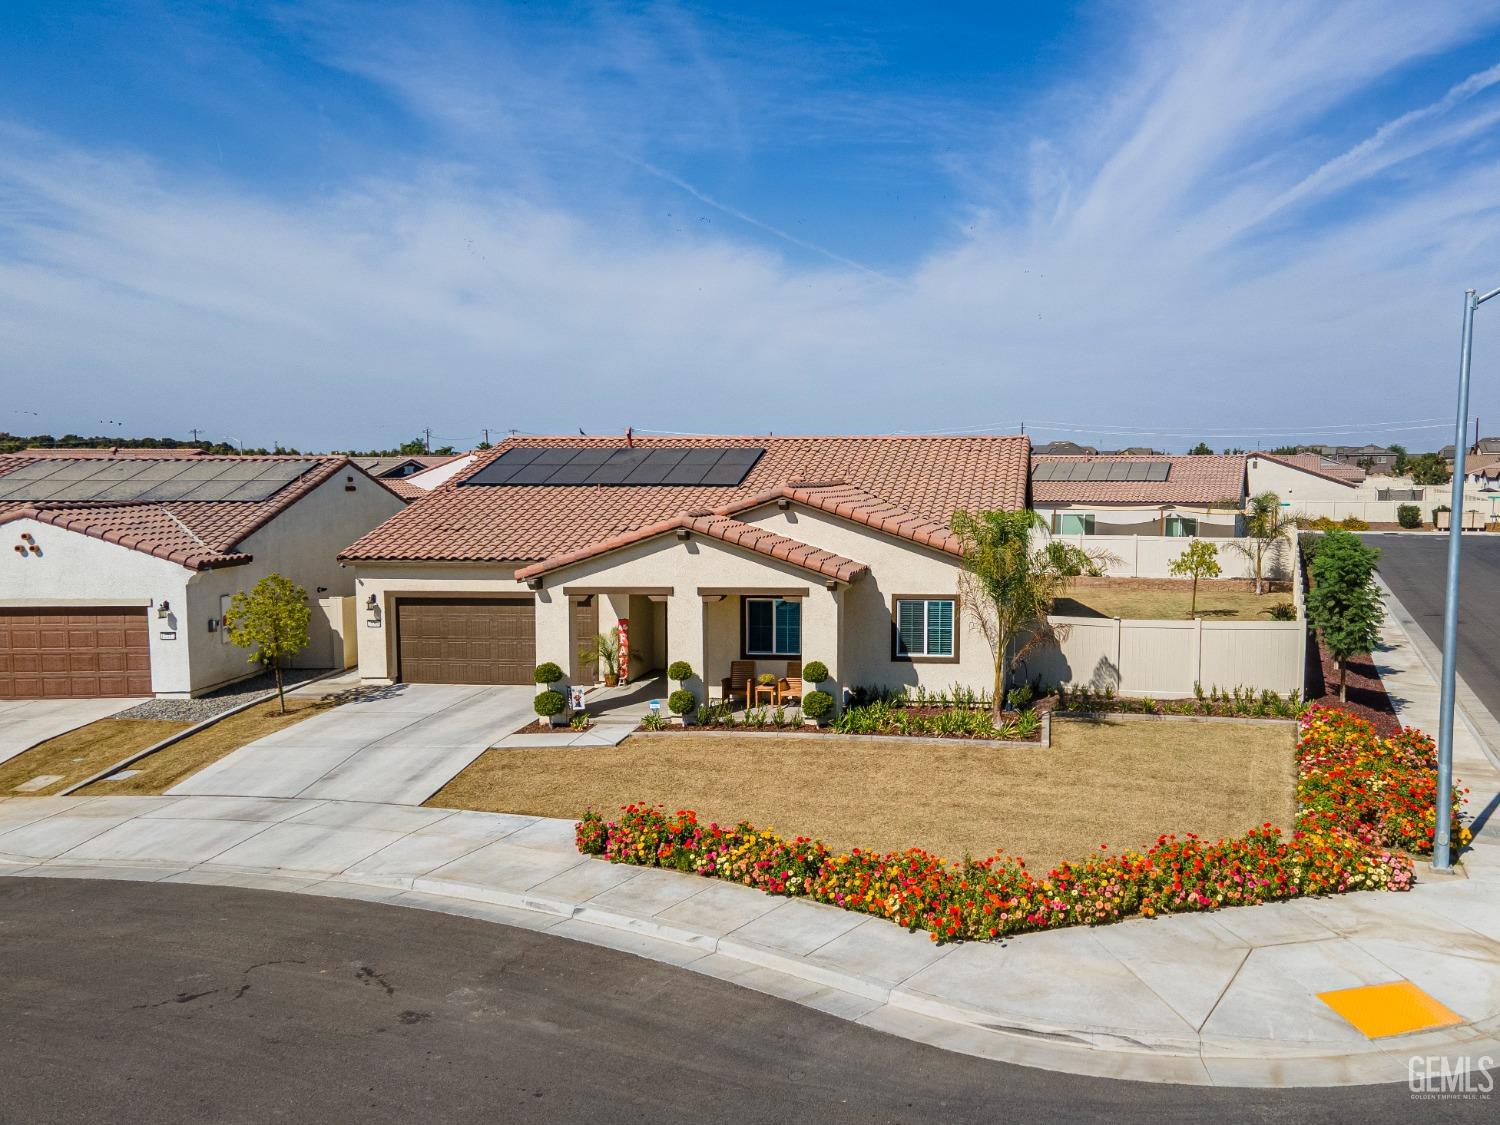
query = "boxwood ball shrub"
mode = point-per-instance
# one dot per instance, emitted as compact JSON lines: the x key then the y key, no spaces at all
{"x":817,"y":705}
{"x":815,"y":672}
{"x":547,"y":673}
{"x":1409,"y":516}
{"x":682,"y":701}
{"x":680,"y":670}
{"x":549,"y":703}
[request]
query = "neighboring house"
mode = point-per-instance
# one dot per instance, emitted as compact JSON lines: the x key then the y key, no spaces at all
{"x":1482,"y":472}
{"x":703,"y":549}
{"x":1140,"y":495}
{"x":120,"y":567}
{"x":1311,"y":486}
{"x":1062,"y":447}
{"x":401,"y":466}
{"x":1379,"y":460}
{"x":419,"y":484}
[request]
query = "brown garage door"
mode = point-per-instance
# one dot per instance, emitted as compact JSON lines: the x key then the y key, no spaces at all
{"x":74,"y":653}
{"x":466,"y":641}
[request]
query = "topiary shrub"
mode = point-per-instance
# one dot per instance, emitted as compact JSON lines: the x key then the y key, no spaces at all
{"x":680,"y":670}
{"x":548,"y":673}
{"x":549,"y":703}
{"x":815,"y":672}
{"x":682,"y":702}
{"x":817,"y":705}
{"x":1409,"y":516}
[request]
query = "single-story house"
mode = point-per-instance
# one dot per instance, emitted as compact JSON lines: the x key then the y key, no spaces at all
{"x":1159,"y":494}
{"x":708,"y":550}
{"x":120,"y":568}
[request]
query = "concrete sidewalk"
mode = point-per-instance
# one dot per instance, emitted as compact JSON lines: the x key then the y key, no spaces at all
{"x":1228,"y":998}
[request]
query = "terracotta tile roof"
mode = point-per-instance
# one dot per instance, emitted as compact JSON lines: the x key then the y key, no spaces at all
{"x":850,"y":503}
{"x":1205,"y":479}
{"x":726,"y":530}
{"x":1318,"y":466}
{"x":924,"y":478}
{"x":379,"y":466}
{"x":199,"y":535}
{"x":403,"y":487}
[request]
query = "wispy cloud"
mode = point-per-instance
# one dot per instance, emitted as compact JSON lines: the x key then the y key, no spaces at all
{"x":1214,"y":244}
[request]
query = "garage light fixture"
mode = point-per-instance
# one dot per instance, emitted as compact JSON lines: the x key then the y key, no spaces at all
{"x":370,"y":602}
{"x":163,"y":609}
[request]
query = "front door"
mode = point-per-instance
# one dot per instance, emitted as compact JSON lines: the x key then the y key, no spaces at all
{"x":585,"y":629}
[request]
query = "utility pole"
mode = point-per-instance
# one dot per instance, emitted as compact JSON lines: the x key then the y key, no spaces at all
{"x":195,"y":435}
{"x":427,"y":439}
{"x":1442,"y":844}
{"x":486,"y":435}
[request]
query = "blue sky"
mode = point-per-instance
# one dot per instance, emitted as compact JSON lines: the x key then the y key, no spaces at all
{"x":335,"y":224}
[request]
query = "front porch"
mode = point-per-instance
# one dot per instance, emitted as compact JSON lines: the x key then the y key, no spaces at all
{"x":729,"y":636}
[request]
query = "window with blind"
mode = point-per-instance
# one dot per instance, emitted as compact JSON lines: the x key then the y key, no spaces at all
{"x":925,"y":628}
{"x":773,"y":627}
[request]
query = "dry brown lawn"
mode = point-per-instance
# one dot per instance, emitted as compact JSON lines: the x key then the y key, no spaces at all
{"x":1167,"y":605}
{"x":1119,"y":782}
{"x":168,"y":766}
{"x":74,"y":756}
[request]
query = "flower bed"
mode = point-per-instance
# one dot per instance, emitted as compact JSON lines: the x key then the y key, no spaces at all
{"x":1359,"y":797}
{"x":881,"y":717}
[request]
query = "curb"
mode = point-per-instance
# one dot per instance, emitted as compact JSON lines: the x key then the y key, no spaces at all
{"x":910,"y":1014}
{"x":189,"y":732}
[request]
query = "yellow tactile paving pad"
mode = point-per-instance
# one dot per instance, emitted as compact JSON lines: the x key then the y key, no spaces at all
{"x":1379,"y":1010}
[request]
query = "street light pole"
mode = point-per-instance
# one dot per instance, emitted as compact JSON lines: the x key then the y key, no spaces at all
{"x":1442,"y":844}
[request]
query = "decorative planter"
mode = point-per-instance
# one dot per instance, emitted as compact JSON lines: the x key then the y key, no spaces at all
{"x":561,"y":719}
{"x":683,"y":720}
{"x":611,"y":679}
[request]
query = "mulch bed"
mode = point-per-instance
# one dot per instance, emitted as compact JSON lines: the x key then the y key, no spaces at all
{"x":1367,"y":694}
{"x":542,"y":726}
{"x":1205,"y":585}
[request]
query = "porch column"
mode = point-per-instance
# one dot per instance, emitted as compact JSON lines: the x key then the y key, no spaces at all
{"x":685,"y":638}
{"x":554,"y":634}
{"x":823,"y":637}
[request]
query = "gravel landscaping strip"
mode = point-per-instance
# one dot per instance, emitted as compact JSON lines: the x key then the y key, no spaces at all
{"x":217,"y":702}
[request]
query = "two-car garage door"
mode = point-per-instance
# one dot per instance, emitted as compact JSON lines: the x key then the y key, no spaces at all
{"x":466,"y":640}
{"x":74,"y":653}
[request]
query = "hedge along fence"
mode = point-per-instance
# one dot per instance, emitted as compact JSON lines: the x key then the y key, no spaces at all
{"x":1359,"y":797}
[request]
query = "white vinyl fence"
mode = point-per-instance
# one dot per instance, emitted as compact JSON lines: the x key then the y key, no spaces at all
{"x":1165,"y":659}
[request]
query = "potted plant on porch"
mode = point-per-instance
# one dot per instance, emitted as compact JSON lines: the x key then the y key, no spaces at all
{"x":604,"y":649}
{"x":817,"y":705}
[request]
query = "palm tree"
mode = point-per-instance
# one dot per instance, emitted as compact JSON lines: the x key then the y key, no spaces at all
{"x":1007,"y":587}
{"x":1268,"y":527}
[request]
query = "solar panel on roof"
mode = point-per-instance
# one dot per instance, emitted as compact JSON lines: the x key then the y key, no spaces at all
{"x":631,"y":466}
{"x":1100,"y":470}
{"x":147,"y":480}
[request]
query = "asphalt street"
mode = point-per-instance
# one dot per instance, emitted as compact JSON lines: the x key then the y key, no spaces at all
{"x":136,"y":1002}
{"x":1416,"y":567}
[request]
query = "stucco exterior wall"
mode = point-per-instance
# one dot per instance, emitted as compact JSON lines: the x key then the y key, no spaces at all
{"x":1306,"y":494}
{"x":301,"y":544}
{"x":77,"y":570}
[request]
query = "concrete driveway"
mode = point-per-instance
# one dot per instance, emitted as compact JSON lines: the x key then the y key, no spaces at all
{"x":25,"y":722}
{"x":398,"y":745}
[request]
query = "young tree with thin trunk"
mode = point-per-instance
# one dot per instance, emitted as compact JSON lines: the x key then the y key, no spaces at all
{"x":1007,"y":587}
{"x":1200,"y":560}
{"x":1268,"y":526}
{"x":271,"y":620}
{"x":1344,"y":604}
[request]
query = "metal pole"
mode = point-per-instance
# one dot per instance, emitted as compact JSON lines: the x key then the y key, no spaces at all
{"x":1442,"y":845}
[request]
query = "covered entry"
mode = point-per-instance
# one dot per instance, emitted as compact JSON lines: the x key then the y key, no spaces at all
{"x":74,"y":653}
{"x":466,"y":640}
